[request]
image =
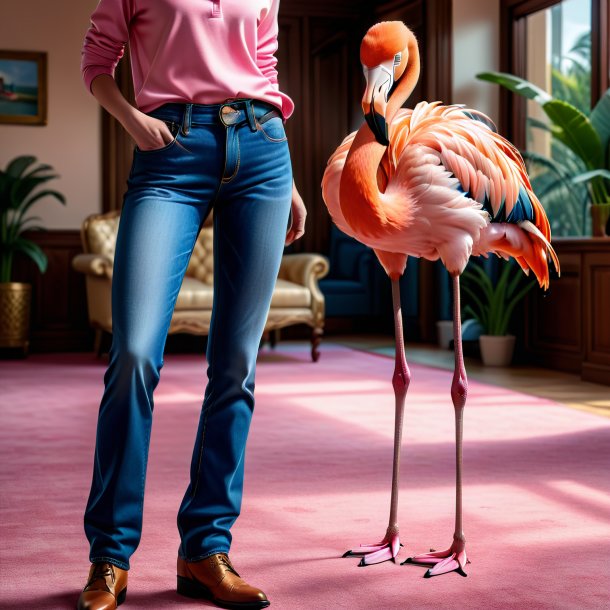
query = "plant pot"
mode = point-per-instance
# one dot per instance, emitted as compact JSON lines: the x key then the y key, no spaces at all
{"x":15,"y":298}
{"x":600,"y":217}
{"x":444,"y":333}
{"x":497,"y":350}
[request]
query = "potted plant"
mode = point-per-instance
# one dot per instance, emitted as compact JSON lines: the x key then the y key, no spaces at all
{"x":587,"y":138}
{"x":492,"y":305}
{"x":17,"y":196}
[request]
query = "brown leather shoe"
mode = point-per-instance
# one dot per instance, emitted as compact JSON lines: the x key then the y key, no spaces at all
{"x":106,"y":587}
{"x":216,"y":579}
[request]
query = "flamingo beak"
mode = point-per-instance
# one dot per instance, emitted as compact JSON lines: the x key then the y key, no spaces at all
{"x":379,"y":81}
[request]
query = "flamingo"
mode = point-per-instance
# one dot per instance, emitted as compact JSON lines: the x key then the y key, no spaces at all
{"x":436,"y":181}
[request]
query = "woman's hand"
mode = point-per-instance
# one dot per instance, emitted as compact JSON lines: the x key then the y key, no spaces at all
{"x":148,"y":132}
{"x":297,"y":228}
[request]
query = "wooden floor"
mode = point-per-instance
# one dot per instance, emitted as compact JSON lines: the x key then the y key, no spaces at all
{"x":564,"y":388}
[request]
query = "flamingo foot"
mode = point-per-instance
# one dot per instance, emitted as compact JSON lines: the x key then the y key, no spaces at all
{"x":380,"y":551}
{"x":452,"y":560}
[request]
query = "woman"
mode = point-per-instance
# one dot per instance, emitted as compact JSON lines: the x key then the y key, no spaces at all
{"x":209,"y":133}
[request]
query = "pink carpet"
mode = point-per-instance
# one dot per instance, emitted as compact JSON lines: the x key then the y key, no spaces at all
{"x":318,"y":469}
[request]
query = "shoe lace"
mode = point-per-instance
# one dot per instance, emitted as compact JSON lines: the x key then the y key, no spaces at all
{"x":225,"y":561}
{"x":100,"y":572}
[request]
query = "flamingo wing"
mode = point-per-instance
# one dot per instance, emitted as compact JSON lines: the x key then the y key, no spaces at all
{"x":491,"y":171}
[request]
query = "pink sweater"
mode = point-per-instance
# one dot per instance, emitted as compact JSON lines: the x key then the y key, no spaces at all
{"x":200,"y":51}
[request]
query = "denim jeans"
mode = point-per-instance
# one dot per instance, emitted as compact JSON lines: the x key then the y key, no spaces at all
{"x":229,"y":157}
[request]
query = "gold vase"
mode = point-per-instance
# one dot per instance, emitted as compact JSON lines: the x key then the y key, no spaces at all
{"x":15,"y":299}
{"x":600,"y":212}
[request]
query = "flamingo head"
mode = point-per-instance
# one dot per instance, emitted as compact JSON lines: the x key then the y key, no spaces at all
{"x":384,"y":56}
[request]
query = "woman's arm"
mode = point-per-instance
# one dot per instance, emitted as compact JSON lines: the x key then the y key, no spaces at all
{"x":103,"y":48}
{"x":147,"y":132}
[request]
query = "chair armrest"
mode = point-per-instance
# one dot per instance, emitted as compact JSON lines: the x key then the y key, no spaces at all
{"x":306,"y":269}
{"x":93,"y":264}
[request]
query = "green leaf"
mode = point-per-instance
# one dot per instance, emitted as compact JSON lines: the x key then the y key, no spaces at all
{"x":516,"y":85}
{"x":498,"y":301}
{"x":46,"y":193}
{"x":18,"y":165}
{"x":513,"y":284}
{"x":481,"y":314}
{"x":476,"y":274}
{"x":577,"y":132}
{"x":22,"y":188}
{"x":33,"y":251}
{"x":510,"y":306}
{"x":549,"y":164}
{"x":537,"y":124}
{"x":586,"y":176}
{"x":469,"y":311}
{"x":41,"y":167}
{"x":600,"y":119}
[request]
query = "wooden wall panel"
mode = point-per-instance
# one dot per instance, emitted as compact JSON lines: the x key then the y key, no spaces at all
{"x":596,"y":365}
{"x":59,"y":305}
{"x":568,"y":327}
{"x":330,"y":123}
{"x":557,"y":316}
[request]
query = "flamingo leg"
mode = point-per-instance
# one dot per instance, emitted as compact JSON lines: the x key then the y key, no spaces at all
{"x":388,"y":547}
{"x":454,"y":558}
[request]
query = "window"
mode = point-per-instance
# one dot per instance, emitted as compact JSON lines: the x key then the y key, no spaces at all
{"x":558,"y":60}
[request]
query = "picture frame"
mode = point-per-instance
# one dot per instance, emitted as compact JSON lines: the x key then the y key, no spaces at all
{"x":23,"y":87}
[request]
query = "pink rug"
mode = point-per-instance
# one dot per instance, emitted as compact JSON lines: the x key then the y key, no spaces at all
{"x":318,"y":470}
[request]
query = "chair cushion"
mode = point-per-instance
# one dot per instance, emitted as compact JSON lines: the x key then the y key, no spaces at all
{"x":194,"y":294}
{"x":289,"y":294}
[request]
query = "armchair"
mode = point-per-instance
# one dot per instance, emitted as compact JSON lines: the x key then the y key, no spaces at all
{"x":356,"y":284}
{"x":296,"y":299}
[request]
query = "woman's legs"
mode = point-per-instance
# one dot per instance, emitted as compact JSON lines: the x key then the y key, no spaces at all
{"x":250,"y":222}
{"x":154,"y":243}
{"x":246,"y":175}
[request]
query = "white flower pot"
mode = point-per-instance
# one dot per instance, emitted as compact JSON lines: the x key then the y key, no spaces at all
{"x":444,"y":332}
{"x":497,"y":350}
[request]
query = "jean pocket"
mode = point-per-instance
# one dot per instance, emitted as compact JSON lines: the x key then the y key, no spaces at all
{"x":273,"y":129}
{"x":175,"y":130}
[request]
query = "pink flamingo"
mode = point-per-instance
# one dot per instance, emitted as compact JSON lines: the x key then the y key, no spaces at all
{"x":435,"y":181}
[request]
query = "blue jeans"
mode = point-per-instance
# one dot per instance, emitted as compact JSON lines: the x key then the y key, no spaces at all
{"x":235,"y":159}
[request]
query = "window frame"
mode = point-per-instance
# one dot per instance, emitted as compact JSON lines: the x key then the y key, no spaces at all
{"x":513,"y":56}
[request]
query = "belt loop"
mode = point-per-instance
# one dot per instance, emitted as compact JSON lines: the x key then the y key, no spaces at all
{"x":251,"y":117}
{"x":186,"y":119}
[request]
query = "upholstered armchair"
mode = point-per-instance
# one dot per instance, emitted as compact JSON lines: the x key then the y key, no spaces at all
{"x":357,"y":285}
{"x":296,"y":299}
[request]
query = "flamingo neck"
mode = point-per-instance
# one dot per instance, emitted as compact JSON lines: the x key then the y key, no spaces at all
{"x":361,"y":200}
{"x":360,"y":197}
{"x":407,"y":81}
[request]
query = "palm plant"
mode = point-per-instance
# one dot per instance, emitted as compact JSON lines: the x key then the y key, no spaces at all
{"x":16,"y":198}
{"x":492,"y":303}
{"x":584,"y":139}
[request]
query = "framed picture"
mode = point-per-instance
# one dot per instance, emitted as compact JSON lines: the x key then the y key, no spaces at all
{"x":23,"y":87}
